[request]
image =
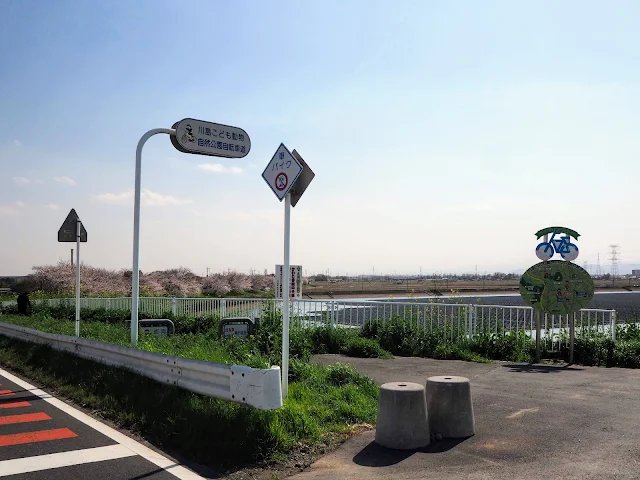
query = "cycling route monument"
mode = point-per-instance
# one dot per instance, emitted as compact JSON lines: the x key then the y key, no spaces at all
{"x":557,"y":287}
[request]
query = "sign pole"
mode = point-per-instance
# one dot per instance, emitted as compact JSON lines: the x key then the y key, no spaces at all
{"x":537,"y":336}
{"x":78,"y":230}
{"x":572,"y":336}
{"x":135,"y":274}
{"x":285,"y":297}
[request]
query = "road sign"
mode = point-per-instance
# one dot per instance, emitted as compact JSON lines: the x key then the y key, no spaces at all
{"x":303,"y":181}
{"x":206,"y":138}
{"x":282,"y":172}
{"x":68,"y":230}
{"x":295,"y":281}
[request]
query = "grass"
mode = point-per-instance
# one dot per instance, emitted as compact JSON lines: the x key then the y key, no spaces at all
{"x":323,"y":401}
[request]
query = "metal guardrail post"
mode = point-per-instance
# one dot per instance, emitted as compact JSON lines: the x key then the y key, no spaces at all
{"x":470,"y":320}
{"x":174,"y":307}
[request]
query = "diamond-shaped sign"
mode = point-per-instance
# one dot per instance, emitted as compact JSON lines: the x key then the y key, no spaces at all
{"x":68,"y":231}
{"x":282,"y":172}
{"x":303,"y":180}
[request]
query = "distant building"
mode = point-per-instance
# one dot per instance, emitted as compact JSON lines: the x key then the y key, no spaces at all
{"x":635,"y":273}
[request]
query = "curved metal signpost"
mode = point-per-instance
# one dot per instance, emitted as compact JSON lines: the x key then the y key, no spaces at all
{"x":188,"y":136}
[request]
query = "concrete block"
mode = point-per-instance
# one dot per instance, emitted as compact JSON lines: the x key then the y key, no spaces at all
{"x":450,"y":407}
{"x":402,"y":416}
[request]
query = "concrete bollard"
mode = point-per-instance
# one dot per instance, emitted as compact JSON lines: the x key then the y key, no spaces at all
{"x":450,"y":407}
{"x":402,"y":416}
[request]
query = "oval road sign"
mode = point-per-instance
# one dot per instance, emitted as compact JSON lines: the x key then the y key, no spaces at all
{"x":206,"y":138}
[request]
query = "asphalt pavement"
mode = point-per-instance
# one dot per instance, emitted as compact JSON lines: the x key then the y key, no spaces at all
{"x":42,"y":437}
{"x":532,"y":422}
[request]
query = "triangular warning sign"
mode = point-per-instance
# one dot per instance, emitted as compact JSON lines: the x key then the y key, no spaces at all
{"x":68,"y":230}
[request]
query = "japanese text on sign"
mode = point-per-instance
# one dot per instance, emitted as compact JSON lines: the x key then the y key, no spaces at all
{"x":295,"y":281}
{"x":206,"y":138}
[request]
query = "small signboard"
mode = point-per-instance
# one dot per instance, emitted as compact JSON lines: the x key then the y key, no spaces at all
{"x":295,"y":281}
{"x":240,"y":327}
{"x":557,"y":287}
{"x":303,"y":181}
{"x":282,"y":172}
{"x":69,"y":229}
{"x":161,"y":331}
{"x":206,"y":138}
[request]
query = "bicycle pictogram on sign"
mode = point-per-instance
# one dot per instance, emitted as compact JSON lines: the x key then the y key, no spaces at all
{"x":558,"y":243}
{"x":282,"y":181}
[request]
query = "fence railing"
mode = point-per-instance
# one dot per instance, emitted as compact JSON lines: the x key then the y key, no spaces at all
{"x":451,"y":320}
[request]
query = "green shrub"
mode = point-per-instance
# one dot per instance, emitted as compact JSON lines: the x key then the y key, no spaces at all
{"x":364,"y":348}
{"x":331,"y":340}
{"x":514,"y":346}
{"x":593,"y":351}
{"x":627,"y":354}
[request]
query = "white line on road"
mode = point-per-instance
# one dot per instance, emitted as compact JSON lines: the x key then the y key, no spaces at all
{"x":64,"y":459}
{"x":157,"y":459}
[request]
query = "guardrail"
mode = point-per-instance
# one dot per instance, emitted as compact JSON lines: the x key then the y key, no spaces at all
{"x":259,"y":388}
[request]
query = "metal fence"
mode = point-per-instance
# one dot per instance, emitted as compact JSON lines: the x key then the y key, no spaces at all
{"x":449,"y":320}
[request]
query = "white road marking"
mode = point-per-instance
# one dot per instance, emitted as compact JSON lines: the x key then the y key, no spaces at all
{"x":63,"y":459}
{"x":157,"y":459}
{"x":522,"y":412}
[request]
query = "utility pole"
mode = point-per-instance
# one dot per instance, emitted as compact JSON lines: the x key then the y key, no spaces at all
{"x":207,"y":271}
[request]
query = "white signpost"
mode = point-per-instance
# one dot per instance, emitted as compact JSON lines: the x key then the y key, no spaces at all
{"x":188,"y":136}
{"x":281,"y":175}
{"x":295,"y":281}
{"x":72,"y":230}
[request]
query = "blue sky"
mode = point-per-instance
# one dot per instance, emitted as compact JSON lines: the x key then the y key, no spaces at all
{"x":442,"y":134}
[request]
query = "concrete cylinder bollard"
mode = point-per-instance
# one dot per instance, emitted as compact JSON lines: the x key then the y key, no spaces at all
{"x":450,"y":407}
{"x":402,"y":416}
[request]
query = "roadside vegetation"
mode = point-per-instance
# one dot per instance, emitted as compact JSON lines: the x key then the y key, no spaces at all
{"x":324,"y":404}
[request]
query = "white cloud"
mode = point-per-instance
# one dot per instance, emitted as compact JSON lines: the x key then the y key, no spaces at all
{"x":149,"y":198}
{"x":9,"y":210}
{"x":115,"y":198}
{"x":20,"y":204}
{"x":17,"y":143}
{"x":218,"y":168}
{"x":51,"y":206}
{"x":67,"y":180}
{"x":21,"y":181}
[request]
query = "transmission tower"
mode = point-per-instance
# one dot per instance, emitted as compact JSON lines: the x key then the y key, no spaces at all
{"x":598,"y":268}
{"x":613,"y":256}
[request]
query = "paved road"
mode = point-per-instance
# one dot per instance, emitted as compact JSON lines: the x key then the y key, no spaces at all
{"x":531,"y":422}
{"x":42,"y":437}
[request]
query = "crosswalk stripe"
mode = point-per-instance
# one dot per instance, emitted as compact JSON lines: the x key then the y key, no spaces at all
{"x":63,"y":459}
{"x":39,"y":436}
{"x":15,"y":404}
{"x":24,"y":418}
